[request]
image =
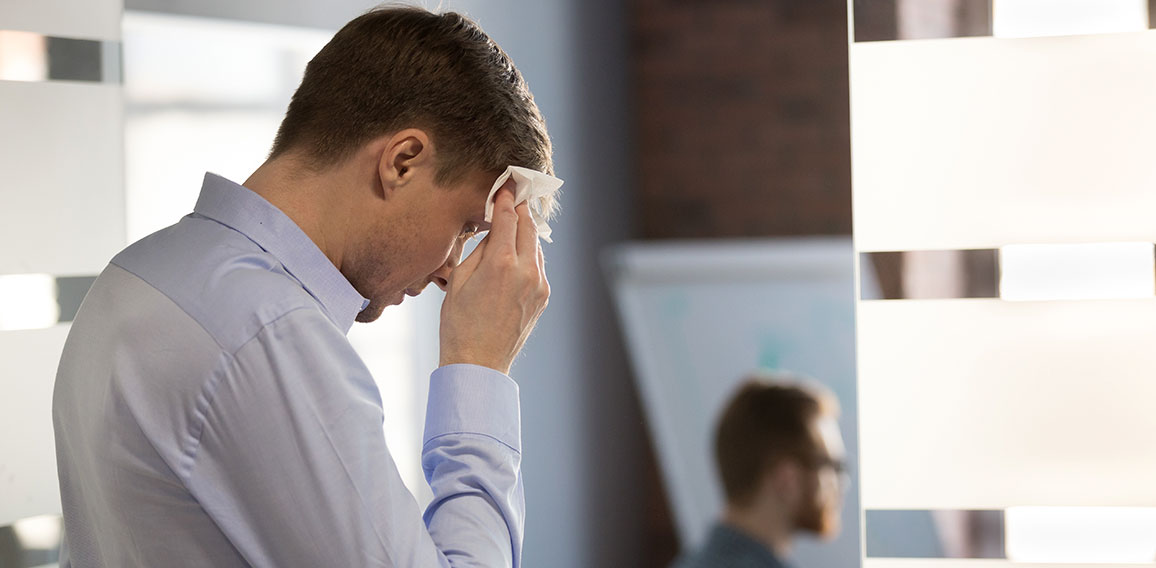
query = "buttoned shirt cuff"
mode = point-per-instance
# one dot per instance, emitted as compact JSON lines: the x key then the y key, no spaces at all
{"x":471,"y":399}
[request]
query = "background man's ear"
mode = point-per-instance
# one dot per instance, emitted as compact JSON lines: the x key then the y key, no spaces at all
{"x":787,"y":478}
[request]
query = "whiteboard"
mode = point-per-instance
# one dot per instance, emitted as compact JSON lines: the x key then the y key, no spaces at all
{"x":699,"y":316}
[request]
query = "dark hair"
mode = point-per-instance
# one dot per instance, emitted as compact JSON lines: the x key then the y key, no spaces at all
{"x":767,"y":420}
{"x":398,"y":67}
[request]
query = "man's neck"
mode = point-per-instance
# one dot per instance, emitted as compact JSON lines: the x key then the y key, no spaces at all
{"x":313,"y":202}
{"x":769,"y":528}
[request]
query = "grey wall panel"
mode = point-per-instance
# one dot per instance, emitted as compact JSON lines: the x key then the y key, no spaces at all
{"x":61,"y":177}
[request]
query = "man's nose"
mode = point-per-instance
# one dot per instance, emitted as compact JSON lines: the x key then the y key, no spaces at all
{"x":441,"y":276}
{"x":441,"y":281}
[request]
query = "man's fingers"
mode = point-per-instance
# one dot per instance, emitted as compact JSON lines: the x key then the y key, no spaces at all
{"x":527,"y":232}
{"x":470,"y":264}
{"x":541,"y":260}
{"x":504,"y":224}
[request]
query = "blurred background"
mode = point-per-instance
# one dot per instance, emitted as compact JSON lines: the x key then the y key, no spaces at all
{"x":706,"y":231}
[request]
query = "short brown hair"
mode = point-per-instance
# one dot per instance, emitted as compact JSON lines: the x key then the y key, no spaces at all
{"x":397,"y":67}
{"x":767,"y":420}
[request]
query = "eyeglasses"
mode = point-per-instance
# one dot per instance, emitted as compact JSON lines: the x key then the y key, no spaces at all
{"x":839,"y":466}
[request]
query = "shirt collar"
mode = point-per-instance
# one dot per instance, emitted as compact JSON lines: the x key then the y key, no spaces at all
{"x":242,"y":210}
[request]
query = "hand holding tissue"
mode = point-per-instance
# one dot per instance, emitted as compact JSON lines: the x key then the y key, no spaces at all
{"x":530,"y":187}
{"x":501,"y":286}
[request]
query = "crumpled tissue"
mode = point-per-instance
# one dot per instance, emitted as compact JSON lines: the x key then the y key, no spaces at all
{"x":530,"y":185}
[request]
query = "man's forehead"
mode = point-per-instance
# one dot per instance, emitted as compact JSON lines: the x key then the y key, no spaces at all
{"x":474,"y":187}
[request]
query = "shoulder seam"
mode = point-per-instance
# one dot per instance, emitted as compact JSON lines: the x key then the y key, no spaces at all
{"x":171,"y":300}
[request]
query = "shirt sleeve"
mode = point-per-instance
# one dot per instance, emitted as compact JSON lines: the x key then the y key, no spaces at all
{"x":292,"y":465}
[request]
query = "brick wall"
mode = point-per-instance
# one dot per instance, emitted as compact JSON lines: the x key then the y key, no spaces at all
{"x":742,"y":118}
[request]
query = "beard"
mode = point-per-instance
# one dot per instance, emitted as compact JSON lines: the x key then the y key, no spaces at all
{"x":369,"y":272}
{"x":818,"y":517}
{"x":371,"y":312}
{"x":364,"y":284}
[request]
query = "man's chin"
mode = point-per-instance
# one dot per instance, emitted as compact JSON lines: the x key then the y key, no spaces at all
{"x":829,"y":527}
{"x":831,"y":530}
{"x":376,"y":306}
{"x":821,"y":525}
{"x":370,"y":313}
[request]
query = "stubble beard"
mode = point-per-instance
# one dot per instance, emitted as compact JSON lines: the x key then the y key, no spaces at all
{"x":370,"y":313}
{"x":818,"y":518}
{"x":368,"y":276}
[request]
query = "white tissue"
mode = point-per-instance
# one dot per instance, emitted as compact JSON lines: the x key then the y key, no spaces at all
{"x":529,"y":186}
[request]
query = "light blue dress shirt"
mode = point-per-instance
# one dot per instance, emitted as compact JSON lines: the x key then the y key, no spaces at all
{"x":209,"y":411}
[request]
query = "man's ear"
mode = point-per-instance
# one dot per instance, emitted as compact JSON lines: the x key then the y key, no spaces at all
{"x":786,"y":478}
{"x":405,"y":155}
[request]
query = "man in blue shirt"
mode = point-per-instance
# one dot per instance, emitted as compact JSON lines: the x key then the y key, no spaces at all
{"x":209,"y":410}
{"x":780,"y":457}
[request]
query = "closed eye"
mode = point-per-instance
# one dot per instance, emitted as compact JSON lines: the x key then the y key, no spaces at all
{"x":474,"y":229}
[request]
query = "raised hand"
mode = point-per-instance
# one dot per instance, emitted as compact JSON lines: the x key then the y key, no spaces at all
{"x":494,"y":298}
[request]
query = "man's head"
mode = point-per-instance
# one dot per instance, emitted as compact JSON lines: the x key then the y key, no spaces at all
{"x":780,"y":454}
{"x":404,"y":67}
{"x":414,"y":114}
